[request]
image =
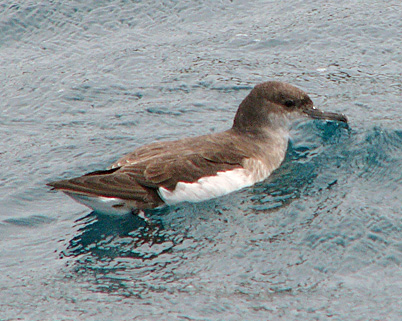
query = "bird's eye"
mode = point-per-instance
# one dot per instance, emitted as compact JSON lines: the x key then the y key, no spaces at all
{"x":290,"y":103}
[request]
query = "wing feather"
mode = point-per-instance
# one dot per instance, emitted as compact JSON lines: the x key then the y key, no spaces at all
{"x":138,"y":175}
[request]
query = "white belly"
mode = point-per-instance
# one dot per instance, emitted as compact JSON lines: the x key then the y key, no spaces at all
{"x":214,"y":186}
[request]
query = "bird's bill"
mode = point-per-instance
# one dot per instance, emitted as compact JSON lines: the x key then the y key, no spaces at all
{"x":319,"y":114}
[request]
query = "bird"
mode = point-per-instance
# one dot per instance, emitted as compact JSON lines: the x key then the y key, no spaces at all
{"x":196,"y":169}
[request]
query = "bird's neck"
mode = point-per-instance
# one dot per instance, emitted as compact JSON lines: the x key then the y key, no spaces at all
{"x":275,"y":126}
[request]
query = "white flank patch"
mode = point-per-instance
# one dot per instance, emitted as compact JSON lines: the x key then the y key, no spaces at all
{"x":101,"y":204}
{"x":214,"y":186}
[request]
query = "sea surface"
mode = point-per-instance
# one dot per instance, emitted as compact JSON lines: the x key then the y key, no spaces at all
{"x":85,"y":82}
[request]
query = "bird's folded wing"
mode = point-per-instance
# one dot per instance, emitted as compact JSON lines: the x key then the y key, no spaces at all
{"x":189,"y":168}
{"x":141,"y":180}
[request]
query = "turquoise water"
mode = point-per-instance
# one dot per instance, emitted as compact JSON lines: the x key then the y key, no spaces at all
{"x":83,"y":83}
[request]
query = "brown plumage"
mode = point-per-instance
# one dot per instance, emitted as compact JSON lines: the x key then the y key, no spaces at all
{"x":258,"y":133}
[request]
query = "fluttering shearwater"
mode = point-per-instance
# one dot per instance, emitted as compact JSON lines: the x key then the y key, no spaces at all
{"x":199,"y":168}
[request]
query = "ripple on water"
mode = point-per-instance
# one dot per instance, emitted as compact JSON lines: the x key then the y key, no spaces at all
{"x":181,"y":238}
{"x":310,"y":234}
{"x":30,"y":221}
{"x":85,"y":82}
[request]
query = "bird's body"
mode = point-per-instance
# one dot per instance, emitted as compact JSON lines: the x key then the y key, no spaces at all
{"x":199,"y":168}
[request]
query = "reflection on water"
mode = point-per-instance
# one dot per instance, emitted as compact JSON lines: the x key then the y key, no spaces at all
{"x":110,"y":250}
{"x":84,"y":82}
{"x":190,"y":244}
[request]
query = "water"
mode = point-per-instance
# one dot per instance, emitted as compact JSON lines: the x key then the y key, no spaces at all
{"x":85,"y":82}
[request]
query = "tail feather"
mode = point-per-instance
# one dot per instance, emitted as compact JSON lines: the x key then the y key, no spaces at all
{"x":110,"y":183}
